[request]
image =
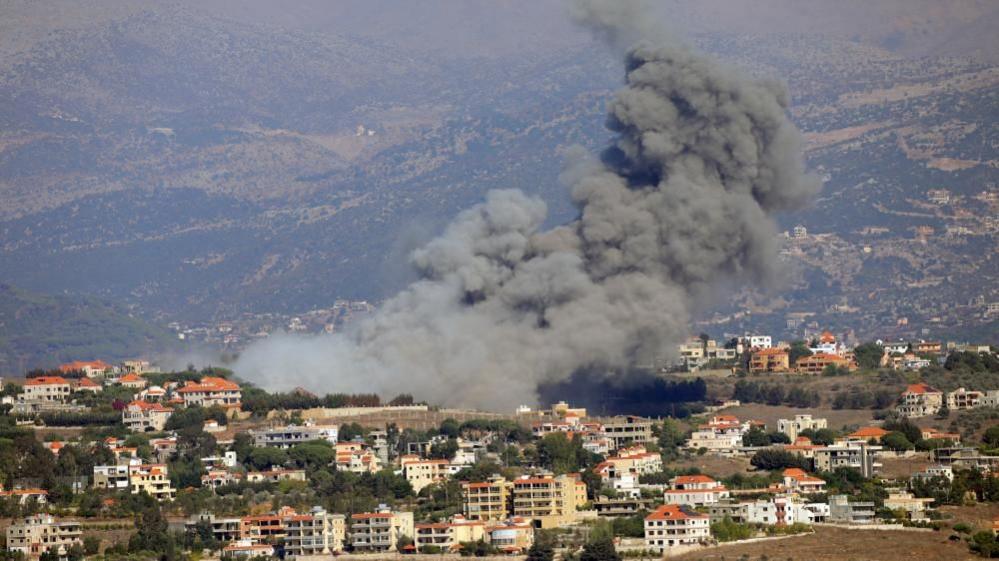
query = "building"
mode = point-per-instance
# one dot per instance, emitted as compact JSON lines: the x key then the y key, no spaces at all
{"x":914,"y":507}
{"x":759,"y":341}
{"x":372,"y":532}
{"x":769,"y":359}
{"x":965,"y":458}
{"x":933,"y":434}
{"x":920,"y":400}
{"x":448,"y":536}
{"x":792,"y":427}
{"x":627,"y":430}
{"x":275,"y":475}
{"x":37,"y":534}
{"x":632,"y":461}
{"x":694,"y":490}
{"x":225,"y":530}
{"x":133,"y":381}
{"x":211,"y":391}
{"x":860,"y":456}
{"x":723,"y":433}
{"x":513,"y":536}
{"x":25,"y":496}
{"x":247,"y":549}
{"x":842,"y":510}
{"x":816,"y":363}
{"x":286,"y":437}
{"x":675,"y":525}
{"x":142,"y":416}
{"x":47,"y":389}
{"x":621,"y":506}
{"x":422,"y":473}
{"x":930,"y":472}
{"x":928,"y":348}
{"x":112,"y":477}
{"x":356,"y":457}
{"x":90,"y":369}
{"x":548,"y":501}
{"x":779,"y":511}
{"x":88,"y":385}
{"x":488,"y":500}
{"x":795,"y":480}
{"x":866,"y":434}
{"x":152,"y":479}
{"x":964,"y":399}
{"x":316,"y":533}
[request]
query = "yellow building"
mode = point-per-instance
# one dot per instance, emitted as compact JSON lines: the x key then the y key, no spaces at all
{"x":487,"y":500}
{"x":152,"y":479}
{"x":448,"y":536}
{"x":422,"y":473}
{"x":549,"y":501}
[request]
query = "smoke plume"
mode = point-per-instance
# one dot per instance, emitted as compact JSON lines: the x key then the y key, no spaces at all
{"x":681,"y":200}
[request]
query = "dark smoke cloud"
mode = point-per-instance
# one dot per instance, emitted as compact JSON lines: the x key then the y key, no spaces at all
{"x":681,"y":201}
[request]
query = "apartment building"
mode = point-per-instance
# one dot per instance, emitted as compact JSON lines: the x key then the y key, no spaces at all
{"x":793,"y":427}
{"x":759,"y":341}
{"x":842,"y":510}
{"x":632,"y":461}
{"x":286,"y":437}
{"x":211,"y":391}
{"x":489,"y":501}
{"x":675,"y":525}
{"x":46,"y":389}
{"x":627,"y":430}
{"x":37,"y":534}
{"x":112,"y":477}
{"x":816,"y":363}
{"x":860,"y":456}
{"x":316,"y":533}
{"x":372,"y":532}
{"x":769,"y":360}
{"x":225,"y":530}
{"x":779,"y":511}
{"x":422,"y":473}
{"x":356,"y":457}
{"x":694,"y":490}
{"x":448,"y":536}
{"x":722,"y":433}
{"x":549,"y":501}
{"x":142,"y":416}
{"x":920,"y":400}
{"x":512,"y":537}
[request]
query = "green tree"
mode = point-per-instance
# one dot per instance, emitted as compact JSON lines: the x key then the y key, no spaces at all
{"x":601,"y":548}
{"x":991,"y":436}
{"x":897,"y":441}
{"x":868,"y":355}
{"x":91,"y":545}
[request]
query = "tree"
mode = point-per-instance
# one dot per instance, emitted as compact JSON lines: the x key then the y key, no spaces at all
{"x":773,"y":459}
{"x":153,"y":534}
{"x":991,"y":436}
{"x":600,"y":548}
{"x":91,"y":545}
{"x":868,"y":355}
{"x":541,"y":550}
{"x":75,"y":552}
{"x":896,"y":441}
{"x":798,"y":349}
{"x":263,"y":458}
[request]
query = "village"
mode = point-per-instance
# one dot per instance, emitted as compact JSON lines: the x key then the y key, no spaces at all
{"x":199,"y":462}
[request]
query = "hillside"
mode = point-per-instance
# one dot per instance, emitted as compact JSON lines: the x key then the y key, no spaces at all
{"x":40,"y":331}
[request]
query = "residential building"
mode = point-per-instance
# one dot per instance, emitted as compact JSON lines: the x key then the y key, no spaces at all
{"x":211,"y":391}
{"x":356,"y":457}
{"x":46,"y":389}
{"x":142,"y":416}
{"x":448,"y":536}
{"x":768,"y":360}
{"x":866,"y":434}
{"x":816,"y":363}
{"x":37,"y":534}
{"x":316,"y":533}
{"x":215,"y":478}
{"x":152,"y":479}
{"x":914,"y":507}
{"x":275,"y":475}
{"x":422,"y":473}
{"x":549,"y":501}
{"x":796,"y":480}
{"x":860,"y":456}
{"x":379,"y":531}
{"x":842,"y":510}
{"x":759,"y":341}
{"x":25,"y":496}
{"x":792,"y":427}
{"x":675,"y":525}
{"x":225,"y":530}
{"x":488,"y":500}
{"x":621,"y":506}
{"x":88,"y":385}
{"x":964,"y":399}
{"x":723,"y":433}
{"x":932,"y":434}
{"x":930,"y":472}
{"x":247,"y":549}
{"x":133,"y":381}
{"x":627,"y":430}
{"x":694,"y":490}
{"x":920,"y":400}
{"x":632,"y":461}
{"x":286,"y":437}
{"x":113,"y":477}
{"x":90,"y":369}
{"x":965,"y":458}
{"x":928,"y":348}
{"x":513,"y":536}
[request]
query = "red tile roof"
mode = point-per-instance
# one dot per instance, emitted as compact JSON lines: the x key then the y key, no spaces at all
{"x":209,"y":384}
{"x":45,"y":381}
{"x":686,"y":479}
{"x":868,"y":432}
{"x":920,"y":389}
{"x":674,"y":512}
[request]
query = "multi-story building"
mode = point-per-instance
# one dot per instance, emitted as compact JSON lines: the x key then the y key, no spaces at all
{"x":487,"y":500}
{"x":930,"y":472}
{"x":90,"y":369}
{"x":795,"y":480}
{"x":275,"y":474}
{"x":723,"y":433}
{"x":88,"y":385}
{"x":694,"y":490}
{"x":225,"y":530}
{"x":860,"y":456}
{"x":316,"y":533}
{"x":379,"y":531}
{"x":152,"y":479}
{"x":422,"y":473}
{"x":915,"y":507}
{"x":842,"y":510}
{"x":816,"y":363}
{"x":964,"y":399}
{"x":759,"y":341}
{"x":632,"y":461}
{"x":779,"y":511}
{"x":132,"y":381}
{"x":41,"y":533}
{"x":920,"y":400}
{"x":142,"y":416}
{"x":792,"y":427}
{"x":675,"y":525}
{"x":356,"y":457}
{"x":46,"y":388}
{"x":24,"y":496}
{"x":549,"y":501}
{"x":769,"y":359}
{"x":513,"y":536}
{"x":246,"y":549}
{"x":286,"y":437}
{"x":211,"y":391}
{"x":448,"y":536}
{"x":626,"y":430}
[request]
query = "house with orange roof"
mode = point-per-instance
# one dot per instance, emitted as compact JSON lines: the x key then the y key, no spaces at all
{"x":356,"y":457}
{"x":694,"y":490}
{"x":769,"y":360}
{"x":133,"y":381}
{"x":142,"y":416}
{"x":802,"y":446}
{"x":211,"y":391}
{"x":920,"y":400}
{"x":88,"y":385}
{"x":90,"y":369}
{"x":46,"y":389}
{"x":54,"y":446}
{"x":152,"y":479}
{"x":933,"y":434}
{"x":40,"y":496}
{"x":866,"y":434}
{"x":671,"y":526}
{"x":816,"y":363}
{"x":796,"y":480}
{"x":722,"y":434}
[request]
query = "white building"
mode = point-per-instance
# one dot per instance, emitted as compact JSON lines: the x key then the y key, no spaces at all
{"x":694,"y":490}
{"x":40,"y":533}
{"x":792,"y":427}
{"x":46,"y":388}
{"x":142,"y":416}
{"x":316,"y":533}
{"x":286,"y":437}
{"x":671,"y":526}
